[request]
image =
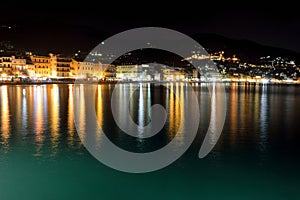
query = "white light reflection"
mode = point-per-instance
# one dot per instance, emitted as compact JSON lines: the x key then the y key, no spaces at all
{"x":213,"y":117}
{"x":263,"y":116}
{"x":24,"y":112}
{"x":141,"y":111}
{"x":71,"y":128}
{"x":39,"y":120}
{"x":81,"y":106}
{"x":54,"y":113}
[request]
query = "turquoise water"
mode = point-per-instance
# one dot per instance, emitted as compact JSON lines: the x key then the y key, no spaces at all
{"x":257,"y":155}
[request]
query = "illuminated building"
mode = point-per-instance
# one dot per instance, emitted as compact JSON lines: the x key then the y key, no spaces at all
{"x":83,"y":69}
{"x":63,"y":67}
{"x":30,"y":71}
{"x":173,"y":75}
{"x":147,"y":72}
{"x":19,"y":66}
{"x":128,"y":72}
{"x":109,"y":72}
{"x":196,"y":75}
{"x":6,"y":65}
{"x":42,"y":65}
{"x":142,"y":72}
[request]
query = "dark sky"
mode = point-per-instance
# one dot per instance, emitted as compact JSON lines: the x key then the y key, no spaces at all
{"x":55,"y":24}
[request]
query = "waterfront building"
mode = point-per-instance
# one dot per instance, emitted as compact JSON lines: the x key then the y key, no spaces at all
{"x":63,"y":67}
{"x":82,"y":69}
{"x":30,"y":69}
{"x":128,"y":72}
{"x":144,"y":72}
{"x":170,"y":74}
{"x":109,"y":72}
{"x":6,"y":65}
{"x":42,"y":65}
{"x":19,"y":66}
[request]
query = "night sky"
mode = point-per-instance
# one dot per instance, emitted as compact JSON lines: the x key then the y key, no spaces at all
{"x":66,"y":27}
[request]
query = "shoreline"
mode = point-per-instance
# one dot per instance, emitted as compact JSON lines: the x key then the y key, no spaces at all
{"x":135,"y":82}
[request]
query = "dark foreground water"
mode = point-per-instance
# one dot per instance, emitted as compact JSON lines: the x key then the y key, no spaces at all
{"x":256,"y":157}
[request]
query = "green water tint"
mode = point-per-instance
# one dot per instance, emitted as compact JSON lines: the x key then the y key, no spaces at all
{"x":257,"y":156}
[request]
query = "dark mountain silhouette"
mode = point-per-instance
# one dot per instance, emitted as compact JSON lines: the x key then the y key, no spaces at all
{"x":67,"y":39}
{"x":246,"y":50}
{"x":50,"y":37}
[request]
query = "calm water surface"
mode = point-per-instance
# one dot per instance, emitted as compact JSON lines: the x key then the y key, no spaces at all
{"x":257,"y":155}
